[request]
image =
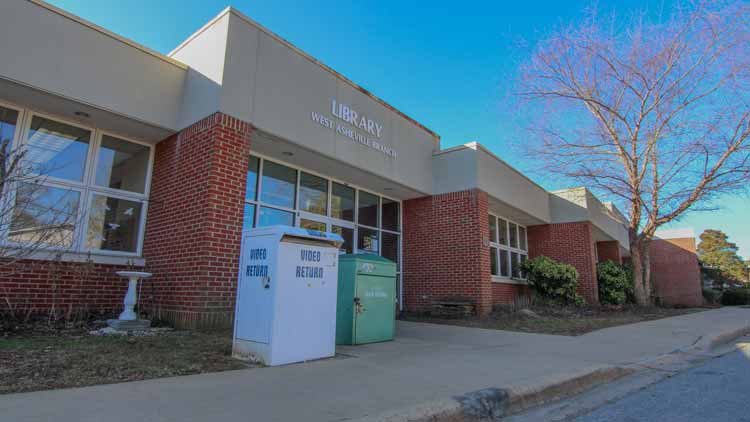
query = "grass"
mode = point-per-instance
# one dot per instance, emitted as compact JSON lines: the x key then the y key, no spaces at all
{"x":75,"y":358}
{"x":559,"y":320}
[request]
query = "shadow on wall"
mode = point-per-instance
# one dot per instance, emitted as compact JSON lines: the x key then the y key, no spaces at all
{"x":675,"y":272}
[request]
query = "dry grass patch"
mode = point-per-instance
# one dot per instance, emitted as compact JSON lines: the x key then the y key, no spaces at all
{"x":559,"y":320}
{"x":35,"y":358}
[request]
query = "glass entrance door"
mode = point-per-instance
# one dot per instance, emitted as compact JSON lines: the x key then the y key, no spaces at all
{"x":315,"y":222}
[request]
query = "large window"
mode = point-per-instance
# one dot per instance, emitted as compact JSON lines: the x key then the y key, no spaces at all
{"x":507,"y":248}
{"x":79,"y":189}
{"x":278,"y":194}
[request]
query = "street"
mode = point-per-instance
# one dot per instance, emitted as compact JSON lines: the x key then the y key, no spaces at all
{"x":718,"y":390}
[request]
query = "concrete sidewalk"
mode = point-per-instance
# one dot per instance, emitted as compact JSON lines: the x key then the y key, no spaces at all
{"x":426,"y":364}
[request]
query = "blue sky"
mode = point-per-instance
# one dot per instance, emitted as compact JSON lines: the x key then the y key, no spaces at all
{"x":448,"y":67}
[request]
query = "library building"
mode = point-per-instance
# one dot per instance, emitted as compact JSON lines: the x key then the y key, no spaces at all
{"x":144,"y":161}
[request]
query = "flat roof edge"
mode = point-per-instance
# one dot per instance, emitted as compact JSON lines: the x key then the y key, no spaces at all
{"x":108,"y":33}
{"x":310,"y":58}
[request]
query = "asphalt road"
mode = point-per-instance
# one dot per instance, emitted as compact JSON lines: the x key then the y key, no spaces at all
{"x":718,"y":390}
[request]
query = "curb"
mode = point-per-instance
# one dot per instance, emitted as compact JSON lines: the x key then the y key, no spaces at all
{"x":493,"y":403}
{"x":723,"y":338}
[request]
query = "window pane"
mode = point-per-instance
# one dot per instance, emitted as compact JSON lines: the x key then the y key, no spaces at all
{"x":522,"y":237}
{"x":504,"y":263}
{"x":523,"y":259}
{"x":390,"y":247}
{"x":44,"y":215}
{"x":122,"y":165}
{"x":367,"y":240}
{"x":113,"y":224}
{"x":279,"y":185}
{"x":493,"y":229}
{"x":248,"y":217}
{"x":8,"y":122}
{"x":251,"y":189}
{"x":391,"y":214}
{"x":56,"y":149}
{"x":342,"y":202}
{"x":348,"y":235}
{"x":273,"y":217}
{"x":514,"y":268}
{"x":312,"y":225}
{"x":313,"y":194}
{"x":503,"y":231}
{"x":493,"y":261}
{"x":368,"y":209}
{"x":513,"y":235}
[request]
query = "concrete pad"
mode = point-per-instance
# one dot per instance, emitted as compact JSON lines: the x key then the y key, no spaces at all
{"x":425,"y":364}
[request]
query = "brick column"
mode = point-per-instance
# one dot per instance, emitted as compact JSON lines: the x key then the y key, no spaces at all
{"x":609,"y":251}
{"x":571,"y":243}
{"x":675,"y":272}
{"x":194,"y":222}
{"x":446,"y":250}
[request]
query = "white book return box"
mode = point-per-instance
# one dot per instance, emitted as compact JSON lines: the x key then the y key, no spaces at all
{"x":286,"y":295}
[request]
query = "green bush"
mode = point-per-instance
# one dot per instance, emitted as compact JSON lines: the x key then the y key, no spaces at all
{"x":553,"y":280}
{"x":736,"y":297}
{"x":615,"y":283}
{"x":712,"y":296}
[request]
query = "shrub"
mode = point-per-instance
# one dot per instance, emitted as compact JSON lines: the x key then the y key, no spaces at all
{"x":712,"y":296}
{"x":553,"y":280}
{"x":736,"y":297}
{"x":615,"y":283}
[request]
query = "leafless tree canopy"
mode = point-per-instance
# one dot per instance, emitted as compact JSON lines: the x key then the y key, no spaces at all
{"x":653,"y":113}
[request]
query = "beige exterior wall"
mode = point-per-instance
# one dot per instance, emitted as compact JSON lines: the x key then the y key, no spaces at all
{"x":48,"y":50}
{"x":472,"y":166}
{"x":249,"y":73}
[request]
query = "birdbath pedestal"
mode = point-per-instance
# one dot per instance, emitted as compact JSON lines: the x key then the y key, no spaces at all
{"x":128,"y":320}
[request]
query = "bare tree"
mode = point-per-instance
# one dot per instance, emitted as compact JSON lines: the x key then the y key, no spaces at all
{"x":34,"y":216}
{"x":652,"y":113}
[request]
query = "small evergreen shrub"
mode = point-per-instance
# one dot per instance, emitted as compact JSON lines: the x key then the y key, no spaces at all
{"x":712,"y":296}
{"x":736,"y":297}
{"x":615,"y":283}
{"x":553,"y":280}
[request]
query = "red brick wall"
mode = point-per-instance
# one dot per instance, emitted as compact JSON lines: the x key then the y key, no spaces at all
{"x":41,"y":286}
{"x":573,"y":244}
{"x":194,"y":221}
{"x":446,"y":250}
{"x":508,"y":294}
{"x":609,"y":251}
{"x":675,"y":273}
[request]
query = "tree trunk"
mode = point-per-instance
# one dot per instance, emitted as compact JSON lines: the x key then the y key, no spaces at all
{"x":641,"y":270}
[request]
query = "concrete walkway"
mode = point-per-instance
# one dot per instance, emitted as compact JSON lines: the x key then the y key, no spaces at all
{"x":426,"y":363}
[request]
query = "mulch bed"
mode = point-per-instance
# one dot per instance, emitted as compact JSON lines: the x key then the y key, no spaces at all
{"x":547,"y":319}
{"x":40,"y":356}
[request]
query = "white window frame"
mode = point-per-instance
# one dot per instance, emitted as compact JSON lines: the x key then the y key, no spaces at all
{"x":328,"y":219}
{"x":86,"y":187}
{"x":509,"y":279}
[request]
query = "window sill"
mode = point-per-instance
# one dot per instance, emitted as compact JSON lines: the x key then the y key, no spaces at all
{"x":507,"y":280}
{"x":98,"y":258}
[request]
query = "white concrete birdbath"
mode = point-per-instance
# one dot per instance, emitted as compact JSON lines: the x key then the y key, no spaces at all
{"x":128,"y":320}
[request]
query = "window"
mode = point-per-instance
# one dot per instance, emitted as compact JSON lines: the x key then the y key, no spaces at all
{"x":368,"y":223}
{"x":368,"y":209}
{"x":313,"y":194}
{"x":253,"y":167}
{"x":92,"y":193}
{"x":279,"y":185}
{"x":274,"y":217}
{"x":44,"y":215}
{"x":342,"y":202}
{"x":391,"y":214}
{"x":57,"y":150}
{"x":113,"y":224}
{"x":368,"y":240}
{"x":122,"y":165}
{"x":507,"y":248}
